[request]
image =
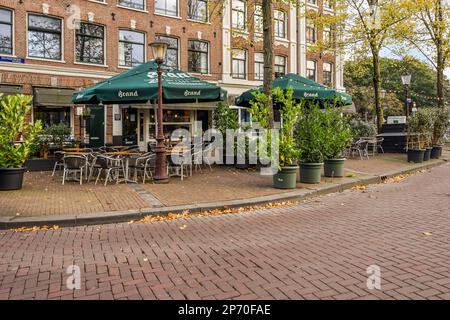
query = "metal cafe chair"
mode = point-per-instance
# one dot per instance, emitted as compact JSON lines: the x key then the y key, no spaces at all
{"x":72,"y":165}
{"x":145,"y":165}
{"x":111,"y":165}
{"x":361,"y":147}
{"x":59,"y":157}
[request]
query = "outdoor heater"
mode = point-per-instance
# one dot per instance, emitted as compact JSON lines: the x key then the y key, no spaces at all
{"x":159,"y":49}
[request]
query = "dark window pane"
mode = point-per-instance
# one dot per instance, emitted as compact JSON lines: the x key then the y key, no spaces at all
{"x":197,"y":56}
{"x":198,"y":10}
{"x":167,"y":7}
{"x":44,"y":37}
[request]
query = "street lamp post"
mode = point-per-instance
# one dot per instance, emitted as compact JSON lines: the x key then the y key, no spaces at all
{"x":406,"y":80}
{"x":159,"y":53}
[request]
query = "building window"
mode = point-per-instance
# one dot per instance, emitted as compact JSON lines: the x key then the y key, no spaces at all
{"x":280,"y":66}
{"x":197,"y":56}
{"x":239,"y":63}
{"x":131,"y":48}
{"x":6,"y":38}
{"x":239,"y":14}
{"x":311,"y":35}
{"x":259,"y":66}
{"x":134,"y":4}
{"x":311,"y":67}
{"x":44,"y":37}
{"x":328,"y":4}
{"x":198,"y":10}
{"x":280,"y":24}
{"x":313,"y":2}
{"x":167,"y":7}
{"x":89,"y":43}
{"x":258,"y":19}
{"x":327,"y":41}
{"x":172,"y":50}
{"x":328,"y":74}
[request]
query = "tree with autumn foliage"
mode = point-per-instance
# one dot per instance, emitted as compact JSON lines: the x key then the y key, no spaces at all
{"x":430,"y":35}
{"x":363,"y":28}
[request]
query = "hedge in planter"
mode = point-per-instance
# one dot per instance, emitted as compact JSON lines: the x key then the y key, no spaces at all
{"x":440,"y":126}
{"x":310,"y":139}
{"x":17,"y":138}
{"x":419,"y":130}
{"x":338,"y":137}
{"x":224,"y":118}
{"x":287,"y":155}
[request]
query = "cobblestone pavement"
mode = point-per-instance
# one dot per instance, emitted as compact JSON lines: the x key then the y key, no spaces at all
{"x":43,"y":194}
{"x":317,"y":249}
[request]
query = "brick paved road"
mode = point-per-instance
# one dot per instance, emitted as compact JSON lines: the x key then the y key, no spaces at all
{"x":317,"y":249}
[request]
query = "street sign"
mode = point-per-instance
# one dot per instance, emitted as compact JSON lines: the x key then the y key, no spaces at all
{"x":12,"y":59}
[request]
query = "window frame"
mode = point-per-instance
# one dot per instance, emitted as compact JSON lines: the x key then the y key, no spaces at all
{"x":284,"y":66}
{"x":331,"y":74}
{"x":61,"y":36}
{"x":158,"y":38}
{"x":206,"y":14}
{"x":11,"y":25}
{"x":310,"y":26}
{"x":308,"y":69}
{"x":104,"y":44}
{"x":144,"y":3}
{"x":259,"y":15}
{"x":235,"y":75}
{"x":259,"y":63}
{"x":201,"y":52}
{"x":239,"y":13}
{"x":277,"y":22}
{"x":165,"y":13}
{"x":144,"y":45}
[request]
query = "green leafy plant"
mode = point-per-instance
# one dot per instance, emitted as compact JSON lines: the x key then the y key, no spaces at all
{"x":311,"y":134}
{"x":419,"y":129}
{"x":290,"y":111}
{"x":225,"y":118}
{"x":338,"y":133}
{"x":17,"y":136}
{"x":56,"y":134}
{"x":362,"y":128}
{"x":440,"y":125}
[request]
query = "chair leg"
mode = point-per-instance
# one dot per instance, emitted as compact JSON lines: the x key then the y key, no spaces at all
{"x":81,"y":176}
{"x":98,"y":175}
{"x":64,"y":176}
{"x":54,"y":168}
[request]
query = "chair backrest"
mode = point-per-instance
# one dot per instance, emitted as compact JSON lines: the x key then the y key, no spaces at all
{"x":74,"y":162}
{"x":150,"y":160}
{"x":59,"y":155}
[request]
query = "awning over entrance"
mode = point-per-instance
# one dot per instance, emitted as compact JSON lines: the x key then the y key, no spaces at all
{"x":52,"y":97}
{"x":304,"y":89}
{"x":9,"y":90}
{"x":140,"y":85}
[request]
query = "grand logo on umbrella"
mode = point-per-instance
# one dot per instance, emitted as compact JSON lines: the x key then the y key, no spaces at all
{"x":123,"y":94}
{"x":311,"y":95}
{"x":188,"y":93}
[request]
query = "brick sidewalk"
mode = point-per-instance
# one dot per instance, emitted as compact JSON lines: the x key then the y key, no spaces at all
{"x":43,"y":195}
{"x":318,"y":249}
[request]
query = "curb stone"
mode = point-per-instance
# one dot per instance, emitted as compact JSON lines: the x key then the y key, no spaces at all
{"x":125,"y":216}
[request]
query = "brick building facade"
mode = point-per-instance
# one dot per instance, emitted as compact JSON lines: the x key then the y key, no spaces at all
{"x":51,"y":48}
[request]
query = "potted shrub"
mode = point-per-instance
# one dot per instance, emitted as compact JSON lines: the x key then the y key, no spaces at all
{"x":57,"y":134}
{"x":17,"y":138}
{"x":338,"y":137}
{"x":310,"y":137}
{"x":418,"y":126}
{"x":440,"y":125}
{"x":286,"y":175}
{"x":225,"y":118}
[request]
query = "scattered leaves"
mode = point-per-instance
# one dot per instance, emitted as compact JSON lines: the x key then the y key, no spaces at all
{"x":36,"y":228}
{"x":427,"y":233}
{"x":214,"y":212}
{"x":359,"y":188}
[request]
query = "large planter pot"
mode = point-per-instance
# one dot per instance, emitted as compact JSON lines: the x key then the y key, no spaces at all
{"x":286,"y":178}
{"x":11,"y":179}
{"x":427,"y":154}
{"x":334,"y":168}
{"x":436,"y":152}
{"x":416,"y":155}
{"x":310,"y":172}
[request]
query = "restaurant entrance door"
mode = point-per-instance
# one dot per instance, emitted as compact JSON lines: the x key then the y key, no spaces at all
{"x":96,"y":127}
